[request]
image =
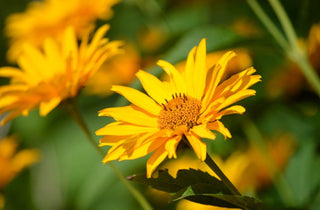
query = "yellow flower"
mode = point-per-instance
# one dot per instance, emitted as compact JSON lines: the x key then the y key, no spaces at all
{"x":49,"y":18}
{"x":11,"y":163}
{"x":55,"y":73}
{"x":245,"y":27}
{"x":190,"y":105}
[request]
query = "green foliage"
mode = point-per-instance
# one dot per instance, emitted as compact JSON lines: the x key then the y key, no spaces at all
{"x":197,"y":186}
{"x":195,"y":194}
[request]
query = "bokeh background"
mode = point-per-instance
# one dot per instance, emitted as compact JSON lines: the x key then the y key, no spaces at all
{"x":281,"y":126}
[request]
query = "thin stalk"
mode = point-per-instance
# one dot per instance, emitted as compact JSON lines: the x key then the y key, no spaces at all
{"x":295,"y":54}
{"x":308,"y":72}
{"x":72,"y":109}
{"x":215,"y":168}
{"x":291,"y":48}
{"x":286,"y":23}
{"x":282,"y":186}
{"x":274,"y":31}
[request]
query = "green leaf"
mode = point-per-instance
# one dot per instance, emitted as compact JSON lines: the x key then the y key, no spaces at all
{"x":219,"y":199}
{"x":303,"y":172}
{"x":165,"y":182}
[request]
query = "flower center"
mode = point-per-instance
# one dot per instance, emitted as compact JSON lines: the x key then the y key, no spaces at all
{"x":180,"y":110}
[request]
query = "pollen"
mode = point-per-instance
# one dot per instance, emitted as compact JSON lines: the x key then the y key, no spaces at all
{"x":180,"y":110}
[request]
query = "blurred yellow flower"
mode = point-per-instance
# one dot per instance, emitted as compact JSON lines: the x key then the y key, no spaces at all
{"x":49,"y":18}
{"x":12,"y":162}
{"x":188,"y":106}
{"x":245,"y":27}
{"x":314,"y":46}
{"x":57,"y":72}
{"x":152,"y":38}
{"x":119,"y":70}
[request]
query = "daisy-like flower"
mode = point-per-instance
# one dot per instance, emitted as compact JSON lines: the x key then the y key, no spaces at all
{"x":188,"y":106}
{"x":49,"y":18}
{"x":57,"y":72}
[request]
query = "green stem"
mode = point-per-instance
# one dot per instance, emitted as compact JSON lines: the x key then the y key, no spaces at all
{"x":282,"y":186}
{"x":274,"y":31}
{"x":308,"y":71}
{"x":71,"y":108}
{"x":295,"y":54}
{"x":215,"y":168}
{"x":286,"y":23}
{"x":291,"y":48}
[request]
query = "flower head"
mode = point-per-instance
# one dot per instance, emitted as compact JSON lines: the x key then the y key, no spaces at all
{"x":50,"y":18}
{"x":189,"y":105}
{"x":54,"y":73}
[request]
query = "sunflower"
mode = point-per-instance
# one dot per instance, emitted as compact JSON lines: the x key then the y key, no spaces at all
{"x":57,"y":72}
{"x":187,"y":107}
{"x":49,"y":18}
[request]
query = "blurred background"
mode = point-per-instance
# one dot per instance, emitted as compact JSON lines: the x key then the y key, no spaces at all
{"x":274,"y":152}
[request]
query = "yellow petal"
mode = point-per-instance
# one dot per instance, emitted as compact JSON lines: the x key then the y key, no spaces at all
{"x":236,"y":109}
{"x":171,"y":146}
{"x":32,"y":62}
{"x":111,"y":140}
{"x":189,"y":72}
{"x":144,"y":149}
{"x":11,"y":116}
{"x":97,"y":39}
{"x":114,"y":153}
{"x":154,"y":87}
{"x":69,"y":45}
{"x":200,"y":70}
{"x":218,"y":126}
{"x":216,"y":77}
{"x":48,"y":106}
{"x":175,"y":76}
{"x":236,"y":97}
{"x":204,"y":132}
{"x":199,"y":147}
{"x":131,"y":114}
{"x":6,"y":101}
{"x":25,"y":158}
{"x":237,"y":82}
{"x":12,"y":73}
{"x":5,"y":89}
{"x":123,"y":130}
{"x":156,"y":158}
{"x":138,"y":98}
